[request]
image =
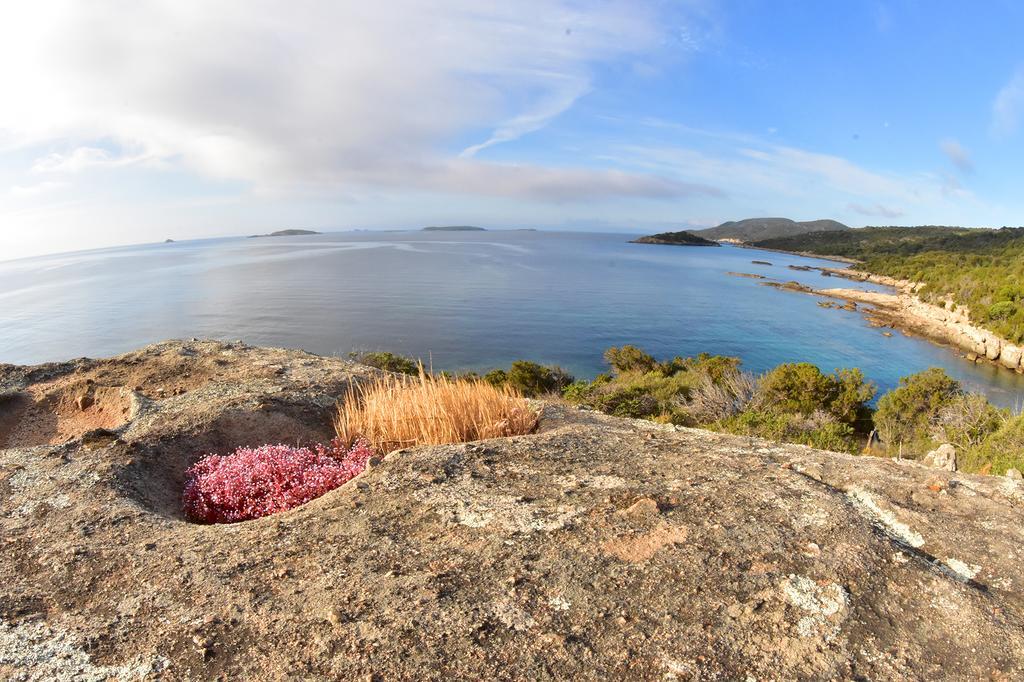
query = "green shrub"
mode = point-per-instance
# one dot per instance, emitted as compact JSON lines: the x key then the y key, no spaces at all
{"x":1002,"y":310}
{"x":629,"y":359}
{"x":853,"y":395}
{"x":634,"y":402}
{"x":389,"y":362}
{"x":1002,"y":450}
{"x":819,"y":430}
{"x":795,"y":388}
{"x":531,"y":379}
{"x":801,"y":388}
{"x":578,"y":393}
{"x":906,"y":414}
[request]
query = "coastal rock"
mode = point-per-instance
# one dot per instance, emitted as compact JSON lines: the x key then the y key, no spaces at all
{"x":945,"y":324}
{"x":1010,"y":357}
{"x":1014,"y":475}
{"x":942,"y":457}
{"x":993,"y":347}
{"x":596,"y":548}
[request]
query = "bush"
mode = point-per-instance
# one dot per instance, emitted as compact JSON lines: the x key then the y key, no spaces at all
{"x":389,"y":362}
{"x":713,"y":400}
{"x":254,"y":482}
{"x":905,"y":414}
{"x":1002,"y":310}
{"x":395,"y":411}
{"x":629,"y":359}
{"x":967,"y":420}
{"x":819,"y":429}
{"x":634,"y":402}
{"x":1002,"y":450}
{"x":801,"y":388}
{"x":531,"y":379}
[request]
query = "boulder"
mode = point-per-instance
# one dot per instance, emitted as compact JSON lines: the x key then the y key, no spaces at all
{"x":1014,"y":475}
{"x":1010,"y":356}
{"x":993,"y":347}
{"x":942,"y":457}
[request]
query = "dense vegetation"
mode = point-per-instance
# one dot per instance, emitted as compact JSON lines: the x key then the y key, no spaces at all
{"x":793,"y":403}
{"x":979,"y":269}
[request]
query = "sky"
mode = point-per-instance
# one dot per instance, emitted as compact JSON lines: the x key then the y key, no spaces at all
{"x":134,"y":121}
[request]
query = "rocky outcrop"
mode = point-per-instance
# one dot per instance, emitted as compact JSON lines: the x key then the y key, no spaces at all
{"x":596,"y":548}
{"x":946,"y":324}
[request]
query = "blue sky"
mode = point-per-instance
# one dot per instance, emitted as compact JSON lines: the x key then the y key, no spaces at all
{"x":134,"y":123}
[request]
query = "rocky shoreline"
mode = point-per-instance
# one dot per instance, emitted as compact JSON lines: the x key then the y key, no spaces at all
{"x":595,"y":548}
{"x":945,"y":324}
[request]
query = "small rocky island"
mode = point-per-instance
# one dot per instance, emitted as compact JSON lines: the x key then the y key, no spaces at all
{"x":284,"y":233}
{"x":675,"y":238}
{"x":453,"y":228}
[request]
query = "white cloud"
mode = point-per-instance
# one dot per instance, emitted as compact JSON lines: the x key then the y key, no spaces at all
{"x":747,"y":166}
{"x":314,"y":93}
{"x":1009,"y":105}
{"x":958,"y":154}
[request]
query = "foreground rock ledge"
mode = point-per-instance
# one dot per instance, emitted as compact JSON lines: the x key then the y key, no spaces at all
{"x":597,"y":548}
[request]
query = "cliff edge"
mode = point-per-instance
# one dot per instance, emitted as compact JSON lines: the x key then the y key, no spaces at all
{"x":596,"y":548}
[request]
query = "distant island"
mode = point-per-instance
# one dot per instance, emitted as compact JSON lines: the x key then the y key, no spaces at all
{"x":284,"y":233}
{"x":168,"y":241}
{"x":453,"y":228}
{"x":758,"y":229}
{"x":676,"y":239}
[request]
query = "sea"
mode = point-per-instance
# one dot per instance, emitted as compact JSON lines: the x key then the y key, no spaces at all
{"x":460,"y":301}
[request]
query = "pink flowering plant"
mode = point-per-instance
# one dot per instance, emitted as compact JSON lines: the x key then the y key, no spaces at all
{"x":254,"y":482}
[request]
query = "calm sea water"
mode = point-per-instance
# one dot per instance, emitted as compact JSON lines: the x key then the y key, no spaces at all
{"x":463,"y":300}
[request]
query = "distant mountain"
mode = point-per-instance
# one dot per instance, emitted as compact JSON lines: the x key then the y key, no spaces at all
{"x":453,"y":228}
{"x":283,"y":233}
{"x":759,"y":229}
{"x":676,"y":239}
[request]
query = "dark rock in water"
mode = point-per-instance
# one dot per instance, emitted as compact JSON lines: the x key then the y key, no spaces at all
{"x":789,"y":286}
{"x":168,"y":241}
{"x":596,"y":548}
{"x":801,"y":268}
{"x":760,"y":262}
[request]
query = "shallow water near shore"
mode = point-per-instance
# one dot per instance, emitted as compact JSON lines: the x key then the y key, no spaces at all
{"x":460,"y":300}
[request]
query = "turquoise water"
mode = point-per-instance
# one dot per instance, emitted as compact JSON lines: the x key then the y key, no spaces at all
{"x":462,"y":300}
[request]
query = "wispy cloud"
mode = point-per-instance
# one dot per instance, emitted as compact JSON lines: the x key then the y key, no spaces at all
{"x":958,"y":154}
{"x":876,"y":210}
{"x":334,"y":96}
{"x":1009,"y":105}
{"x":544,"y":111}
{"x":84,"y":158}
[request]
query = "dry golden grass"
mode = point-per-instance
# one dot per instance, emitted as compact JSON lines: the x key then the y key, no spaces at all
{"x":395,"y":411}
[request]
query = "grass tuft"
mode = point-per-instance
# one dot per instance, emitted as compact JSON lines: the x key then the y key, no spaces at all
{"x":393,"y":411}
